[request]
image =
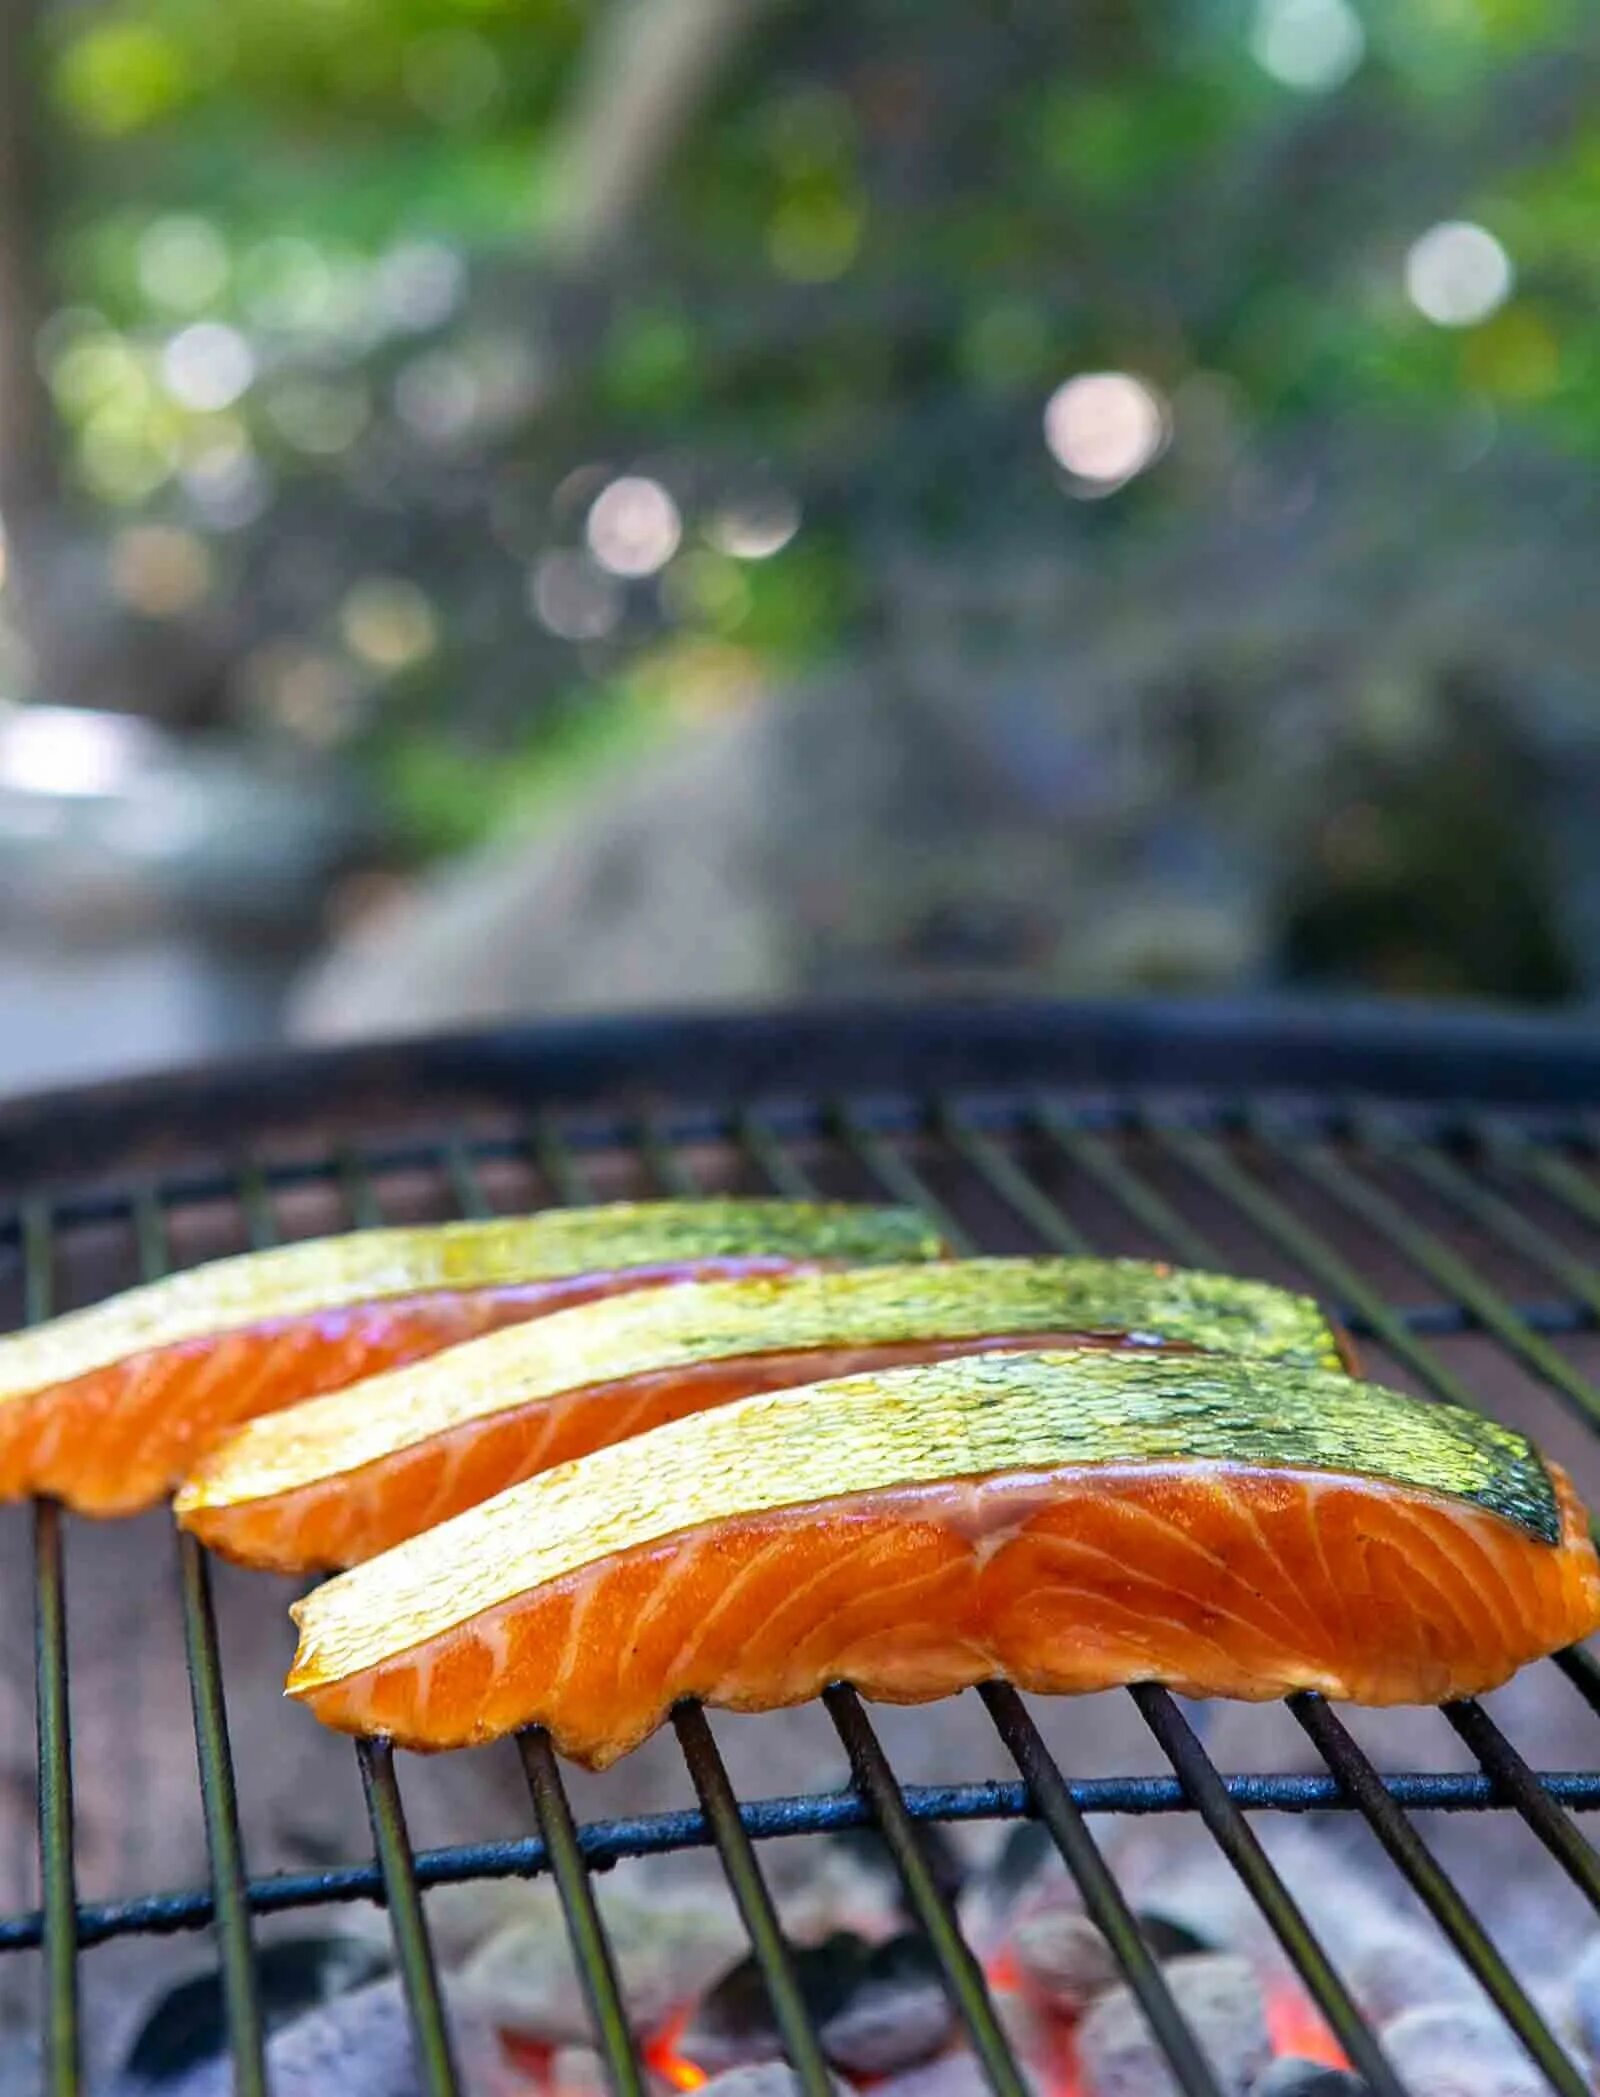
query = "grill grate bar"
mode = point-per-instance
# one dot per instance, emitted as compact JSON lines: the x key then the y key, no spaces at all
{"x":773,"y":1161}
{"x":1014,"y":1186}
{"x":219,"y":1802}
{"x":1367,"y":1202}
{"x":1201,"y":1781}
{"x":754,"y":1901}
{"x":1094,"y":1156}
{"x":1103,"y":1900}
{"x":53,"y":1717}
{"x":591,"y":1948}
{"x":57,"y":1877}
{"x":1204,"y":1786}
{"x":1280,"y":1226}
{"x":413,"y":1946}
{"x":586,"y":1932}
{"x":1496,"y":1756}
{"x":960,"y":1971}
{"x":1499,"y":1219}
{"x":397,"y":1864}
{"x":1433,"y":1885}
{"x":605,"y":1842}
{"x":708,"y":1773}
{"x":1500,"y":1760}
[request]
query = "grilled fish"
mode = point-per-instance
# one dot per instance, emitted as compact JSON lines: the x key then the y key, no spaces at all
{"x":1067,"y":1522}
{"x":107,"y":1408}
{"x":334,"y":1481}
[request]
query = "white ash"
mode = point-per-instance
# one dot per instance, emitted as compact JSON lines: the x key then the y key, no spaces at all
{"x":763,"y":2079}
{"x":1063,"y":1957}
{"x":577,"y":2071}
{"x":1119,"y":2056}
{"x":1460,"y":2050}
{"x":361,"y":2043}
{"x":952,"y":2075}
{"x":667,"y":1951}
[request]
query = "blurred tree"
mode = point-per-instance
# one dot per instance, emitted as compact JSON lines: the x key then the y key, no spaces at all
{"x":478,"y":391}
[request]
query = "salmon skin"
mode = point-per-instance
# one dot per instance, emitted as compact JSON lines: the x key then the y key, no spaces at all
{"x":336,"y":1480}
{"x":107,"y":1408}
{"x":1063,"y":1521}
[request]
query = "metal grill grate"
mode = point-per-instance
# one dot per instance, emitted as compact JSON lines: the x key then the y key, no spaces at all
{"x":1437,"y":1236}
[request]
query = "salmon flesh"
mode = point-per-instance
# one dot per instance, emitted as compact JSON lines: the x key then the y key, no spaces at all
{"x":1063,"y":1521}
{"x":341,"y":1478}
{"x":107,"y":1408}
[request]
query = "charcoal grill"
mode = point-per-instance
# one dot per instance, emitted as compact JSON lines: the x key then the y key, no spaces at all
{"x":1434,"y":1182}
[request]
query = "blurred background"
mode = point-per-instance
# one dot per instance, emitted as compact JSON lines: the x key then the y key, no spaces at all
{"x":531,"y":506}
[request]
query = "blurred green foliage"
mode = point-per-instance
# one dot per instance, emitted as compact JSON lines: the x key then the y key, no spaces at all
{"x":309,"y":320}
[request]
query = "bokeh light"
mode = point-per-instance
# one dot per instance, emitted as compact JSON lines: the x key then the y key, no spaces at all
{"x":1457,"y":274}
{"x":753,"y":527}
{"x":572,"y":598}
{"x":70,"y":752}
{"x":1104,"y":427}
{"x":388,"y":623}
{"x":319,"y":415}
{"x":183,"y":263}
{"x":419,"y":284}
{"x":160,"y":570}
{"x":1313,"y":45}
{"x":634,"y":527}
{"x":208,"y":365}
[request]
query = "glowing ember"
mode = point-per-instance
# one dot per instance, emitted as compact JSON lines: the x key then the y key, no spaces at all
{"x":661,"y":2053}
{"x":1297,"y":2028}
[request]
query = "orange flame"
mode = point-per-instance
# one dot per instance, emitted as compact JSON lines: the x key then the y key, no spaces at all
{"x":661,"y":2053}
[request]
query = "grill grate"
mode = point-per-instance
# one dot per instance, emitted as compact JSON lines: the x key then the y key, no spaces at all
{"x":1489,"y":1212}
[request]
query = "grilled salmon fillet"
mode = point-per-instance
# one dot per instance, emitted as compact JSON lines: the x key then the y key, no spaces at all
{"x":107,"y":1408}
{"x":336,"y":1480}
{"x":1064,"y":1521}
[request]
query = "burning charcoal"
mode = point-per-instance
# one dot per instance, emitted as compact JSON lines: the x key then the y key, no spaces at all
{"x":1169,"y":1939}
{"x":1291,"y":2077}
{"x":1459,"y":2050}
{"x":1585,"y":1984}
{"x":1063,"y":1958}
{"x":189,"y":2024}
{"x":1394,"y":1970}
{"x":577,"y":2071}
{"x":869,"y":1850}
{"x":1119,"y":2057}
{"x":759,"y":2079}
{"x":897,"y":2014}
{"x":666,"y":1951}
{"x":732,"y":2023}
{"x":952,"y":2075}
{"x":361,"y":2043}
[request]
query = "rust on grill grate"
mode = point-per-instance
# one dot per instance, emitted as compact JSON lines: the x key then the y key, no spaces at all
{"x":1455,"y":1239}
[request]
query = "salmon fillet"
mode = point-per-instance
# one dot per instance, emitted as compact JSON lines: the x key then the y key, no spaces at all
{"x":341,"y":1478}
{"x":1065,"y":1522}
{"x":107,"y":1408}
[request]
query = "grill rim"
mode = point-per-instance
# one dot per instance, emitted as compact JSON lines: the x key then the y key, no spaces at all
{"x":1336,"y":1051}
{"x":946,"y":1067}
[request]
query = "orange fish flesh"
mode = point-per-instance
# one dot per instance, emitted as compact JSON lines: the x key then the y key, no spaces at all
{"x":107,"y":1408}
{"x":341,"y":1478}
{"x":1065,"y":1522}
